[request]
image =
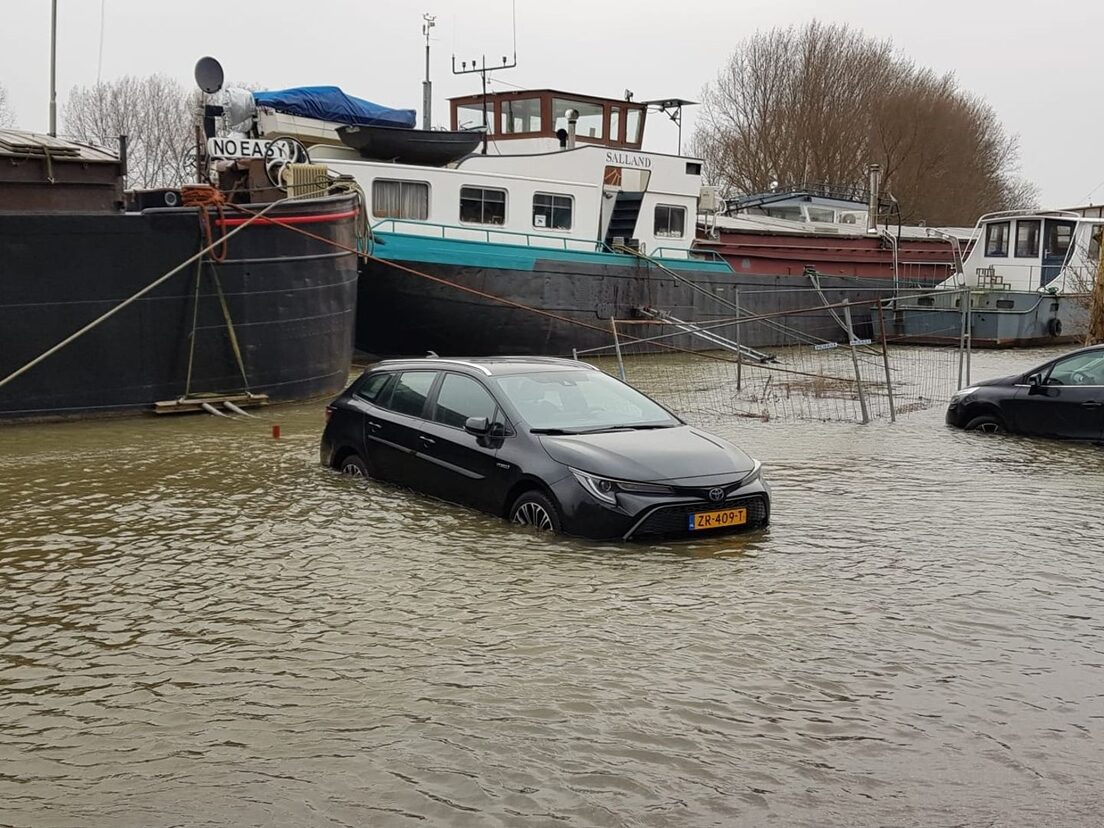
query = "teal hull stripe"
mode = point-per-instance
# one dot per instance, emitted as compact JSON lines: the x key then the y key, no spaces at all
{"x":463,"y":253}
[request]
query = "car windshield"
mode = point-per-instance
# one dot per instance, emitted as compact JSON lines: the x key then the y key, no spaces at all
{"x":580,"y":401}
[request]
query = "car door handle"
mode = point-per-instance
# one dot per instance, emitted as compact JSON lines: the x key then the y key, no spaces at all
{"x":426,"y":441}
{"x":372,"y":424}
{"x":1091,"y":404}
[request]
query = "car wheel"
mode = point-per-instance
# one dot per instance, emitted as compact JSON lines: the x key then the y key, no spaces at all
{"x":987,"y":424}
{"x":353,"y":466}
{"x":535,"y":509}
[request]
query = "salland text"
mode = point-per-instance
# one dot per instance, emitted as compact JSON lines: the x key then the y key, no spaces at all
{"x":626,"y":159}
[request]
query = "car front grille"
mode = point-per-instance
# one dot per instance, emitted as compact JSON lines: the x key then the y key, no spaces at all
{"x":673,"y":520}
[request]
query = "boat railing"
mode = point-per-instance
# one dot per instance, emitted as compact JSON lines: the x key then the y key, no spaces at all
{"x":488,"y":235}
{"x":690,"y":253}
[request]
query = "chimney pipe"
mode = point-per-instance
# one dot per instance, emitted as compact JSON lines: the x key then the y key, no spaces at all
{"x":572,"y":118}
{"x":872,"y":208}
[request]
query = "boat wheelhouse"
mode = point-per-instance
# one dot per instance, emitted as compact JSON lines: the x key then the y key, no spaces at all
{"x":1028,"y":276}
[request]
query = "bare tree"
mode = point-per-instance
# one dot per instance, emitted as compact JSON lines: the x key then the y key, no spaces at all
{"x":154,"y":113}
{"x":816,"y":105}
{"x":7,"y":116}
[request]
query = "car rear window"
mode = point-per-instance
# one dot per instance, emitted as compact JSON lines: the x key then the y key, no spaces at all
{"x":409,"y":392}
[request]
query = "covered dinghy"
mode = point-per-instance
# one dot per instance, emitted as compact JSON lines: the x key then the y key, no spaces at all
{"x":329,"y":103}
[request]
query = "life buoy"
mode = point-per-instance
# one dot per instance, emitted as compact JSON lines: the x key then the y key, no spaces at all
{"x":1054,"y":327}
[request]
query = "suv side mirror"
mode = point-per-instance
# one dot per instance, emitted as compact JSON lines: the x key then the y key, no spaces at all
{"x":477,"y":426}
{"x":1035,"y":384}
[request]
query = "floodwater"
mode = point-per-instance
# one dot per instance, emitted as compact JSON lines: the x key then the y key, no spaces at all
{"x":199,"y":626}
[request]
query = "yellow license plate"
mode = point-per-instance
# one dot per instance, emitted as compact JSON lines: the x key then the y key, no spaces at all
{"x":717,"y":520}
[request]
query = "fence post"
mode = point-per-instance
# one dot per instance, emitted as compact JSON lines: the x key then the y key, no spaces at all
{"x":575,"y":354}
{"x":969,"y":331}
{"x":855,"y":360}
{"x":885,"y":359}
{"x":962,"y":300}
{"x":617,"y":348}
{"x":739,"y":347}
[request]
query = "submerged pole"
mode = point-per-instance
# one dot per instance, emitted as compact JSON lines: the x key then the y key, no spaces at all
{"x":617,"y":348}
{"x":739,"y":347}
{"x":962,"y":300}
{"x":885,"y":360}
{"x":855,"y":361}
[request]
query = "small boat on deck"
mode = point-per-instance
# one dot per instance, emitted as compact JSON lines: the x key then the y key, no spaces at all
{"x":423,"y":147}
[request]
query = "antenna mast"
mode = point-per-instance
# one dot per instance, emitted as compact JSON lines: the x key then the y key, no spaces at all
{"x":482,"y":68}
{"x":427,"y":85}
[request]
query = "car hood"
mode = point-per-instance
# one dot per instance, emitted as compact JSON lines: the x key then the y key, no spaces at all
{"x":670,"y":455}
{"x":1012,"y":380}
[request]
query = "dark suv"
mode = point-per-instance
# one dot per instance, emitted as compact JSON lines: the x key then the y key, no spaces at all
{"x":549,"y":442}
{"x":1062,"y":398}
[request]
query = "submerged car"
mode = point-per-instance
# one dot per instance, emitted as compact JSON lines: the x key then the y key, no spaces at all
{"x":553,"y":443}
{"x":1061,"y":398}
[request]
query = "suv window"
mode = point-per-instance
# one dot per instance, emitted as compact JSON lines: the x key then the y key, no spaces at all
{"x":409,"y":392}
{"x":461,"y":397}
{"x":372,"y":388}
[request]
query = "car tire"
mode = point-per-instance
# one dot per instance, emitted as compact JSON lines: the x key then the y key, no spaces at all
{"x":987,"y":424}
{"x":354,"y":466}
{"x":536,"y":509}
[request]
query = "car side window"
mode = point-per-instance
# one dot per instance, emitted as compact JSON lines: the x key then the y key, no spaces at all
{"x":372,"y":389}
{"x":409,"y":392}
{"x":1082,"y":369}
{"x":461,"y":397}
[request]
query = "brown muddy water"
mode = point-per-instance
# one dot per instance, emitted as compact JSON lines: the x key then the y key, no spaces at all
{"x":200,"y":626}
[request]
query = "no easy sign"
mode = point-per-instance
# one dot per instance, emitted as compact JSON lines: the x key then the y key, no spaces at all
{"x":247,"y":148}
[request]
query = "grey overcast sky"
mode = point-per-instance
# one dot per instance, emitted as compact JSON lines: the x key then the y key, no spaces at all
{"x":1037,"y":63}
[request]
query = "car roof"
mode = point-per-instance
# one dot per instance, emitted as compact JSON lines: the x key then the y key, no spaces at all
{"x":488,"y":366}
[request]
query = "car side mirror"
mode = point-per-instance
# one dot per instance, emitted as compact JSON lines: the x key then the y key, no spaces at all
{"x":1035,"y":384}
{"x":478,"y":426}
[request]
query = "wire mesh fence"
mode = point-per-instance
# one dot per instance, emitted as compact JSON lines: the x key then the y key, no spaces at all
{"x":827,"y":366}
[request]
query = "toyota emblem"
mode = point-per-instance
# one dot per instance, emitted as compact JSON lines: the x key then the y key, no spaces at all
{"x":716,"y":495}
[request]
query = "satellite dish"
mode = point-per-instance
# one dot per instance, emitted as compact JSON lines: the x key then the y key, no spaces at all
{"x":208,"y":75}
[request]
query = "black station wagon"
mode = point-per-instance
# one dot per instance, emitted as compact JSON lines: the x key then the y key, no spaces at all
{"x":553,"y":443}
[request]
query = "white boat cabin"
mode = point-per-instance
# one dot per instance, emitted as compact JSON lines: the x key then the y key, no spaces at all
{"x":1055,"y":252}
{"x":559,"y":170}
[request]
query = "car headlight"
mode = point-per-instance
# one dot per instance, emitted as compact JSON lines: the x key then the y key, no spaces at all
{"x":964,"y":392}
{"x":753,"y":475}
{"x":605,"y":489}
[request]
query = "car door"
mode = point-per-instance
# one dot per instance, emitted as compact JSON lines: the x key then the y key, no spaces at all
{"x":1068,"y":400}
{"x":392,"y":428}
{"x":464,"y":467}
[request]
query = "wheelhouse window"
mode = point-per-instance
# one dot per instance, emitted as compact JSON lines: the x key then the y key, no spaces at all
{"x":996,"y":238}
{"x":470,"y":116}
{"x":521,"y":115}
{"x":482,"y":205}
{"x":615,"y":123}
{"x":461,"y":397}
{"x":670,"y":222}
{"x":589,"y":124}
{"x":1027,"y":238}
{"x":1059,"y":234}
{"x":400,"y":199}
{"x":551,"y":211}
{"x":408,"y":394}
{"x":632,"y":126}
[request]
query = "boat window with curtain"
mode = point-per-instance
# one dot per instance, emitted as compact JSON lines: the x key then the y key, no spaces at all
{"x":551,"y":211}
{"x":482,"y":205}
{"x":670,"y":221}
{"x":400,"y":199}
{"x":1027,"y":238}
{"x":996,"y":238}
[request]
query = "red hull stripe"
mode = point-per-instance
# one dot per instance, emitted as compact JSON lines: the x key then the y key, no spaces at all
{"x":320,"y":218}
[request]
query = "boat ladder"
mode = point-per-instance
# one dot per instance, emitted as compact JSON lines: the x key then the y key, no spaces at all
{"x":721,"y":342}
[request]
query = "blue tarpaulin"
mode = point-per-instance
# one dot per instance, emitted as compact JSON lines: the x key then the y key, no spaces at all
{"x":328,"y":103}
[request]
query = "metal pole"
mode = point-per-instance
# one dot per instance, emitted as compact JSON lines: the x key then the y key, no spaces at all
{"x":575,"y":354}
{"x":427,"y":84}
{"x":885,"y":359}
{"x":855,"y":360}
{"x":969,"y":332}
{"x":53,"y":69}
{"x":617,"y":348}
{"x":962,"y":300}
{"x":739,"y":347}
